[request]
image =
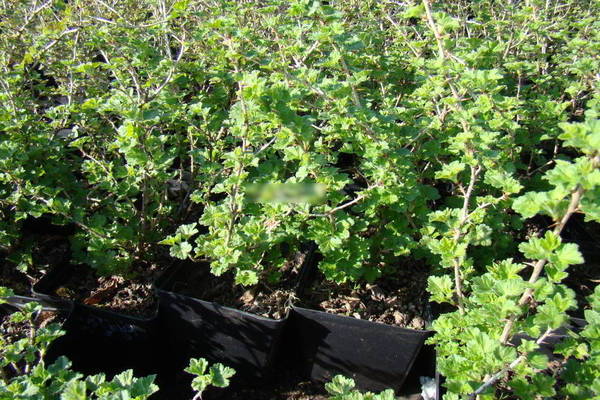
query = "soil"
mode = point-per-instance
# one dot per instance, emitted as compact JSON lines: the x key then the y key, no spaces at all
{"x":50,"y":249}
{"x":133,"y":296}
{"x":47,"y":250}
{"x":11,"y":331}
{"x":399,"y":299}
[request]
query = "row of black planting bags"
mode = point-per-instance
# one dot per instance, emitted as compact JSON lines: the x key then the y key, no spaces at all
{"x":306,"y":344}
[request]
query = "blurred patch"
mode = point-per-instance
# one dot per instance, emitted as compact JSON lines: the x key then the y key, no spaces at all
{"x":288,"y":193}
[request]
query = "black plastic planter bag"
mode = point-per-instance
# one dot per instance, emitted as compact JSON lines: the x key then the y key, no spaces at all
{"x":196,"y":328}
{"x":376,"y":356}
{"x":102,"y":341}
{"x":307,"y":343}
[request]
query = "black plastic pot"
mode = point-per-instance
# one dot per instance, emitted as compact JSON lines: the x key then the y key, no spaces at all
{"x":375,"y":355}
{"x":191,"y":327}
{"x":102,"y":341}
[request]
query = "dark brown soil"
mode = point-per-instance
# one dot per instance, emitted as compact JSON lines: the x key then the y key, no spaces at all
{"x":583,"y":279}
{"x":11,"y":331}
{"x":395,"y":299}
{"x":133,"y":296}
{"x":50,"y":249}
{"x":399,"y":299}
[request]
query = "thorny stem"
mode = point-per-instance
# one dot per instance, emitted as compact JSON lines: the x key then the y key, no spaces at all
{"x":355,"y":97}
{"x":494,"y":378}
{"x":434,"y":29}
{"x":341,"y":207}
{"x":72,"y":219}
{"x":32,"y":15}
{"x":198,"y":396}
{"x":458,"y":233}
{"x":31,"y":339}
{"x":143,"y":217}
{"x":238,"y":172}
{"x":169,"y":74}
{"x":538,"y":267}
{"x":55,"y":41}
{"x":3,"y":377}
{"x":15,"y":368}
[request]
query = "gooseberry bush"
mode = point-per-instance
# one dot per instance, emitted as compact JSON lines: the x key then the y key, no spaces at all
{"x":385,"y":131}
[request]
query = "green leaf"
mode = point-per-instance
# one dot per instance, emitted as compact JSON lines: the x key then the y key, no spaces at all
{"x":340,"y":385}
{"x":569,"y":254}
{"x":220,"y":375}
{"x":246,"y":277}
{"x":74,"y":390}
{"x":143,"y":387}
{"x":200,"y":383}
{"x":197,"y":366}
{"x":171,"y":240}
{"x":450,"y":171}
{"x":4,"y":293}
{"x":538,"y":360}
{"x":441,"y":288}
{"x":187,"y":231}
{"x":95,"y":381}
{"x":544,"y":385}
{"x":529,"y":204}
{"x":414,"y":11}
{"x":181,"y":250}
{"x":503,"y":181}
{"x":541,"y":248}
{"x":564,"y":174}
{"x":125,"y":378}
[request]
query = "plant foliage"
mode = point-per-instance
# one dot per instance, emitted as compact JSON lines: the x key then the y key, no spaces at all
{"x":384,"y":131}
{"x":217,"y":375}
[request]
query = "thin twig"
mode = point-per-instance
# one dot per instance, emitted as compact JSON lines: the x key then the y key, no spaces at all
{"x":265,"y":146}
{"x":32,"y":15}
{"x":338,"y":208}
{"x":494,"y":378}
{"x":434,"y":29}
{"x":169,"y":75}
{"x":55,"y":41}
{"x":539,"y":265}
